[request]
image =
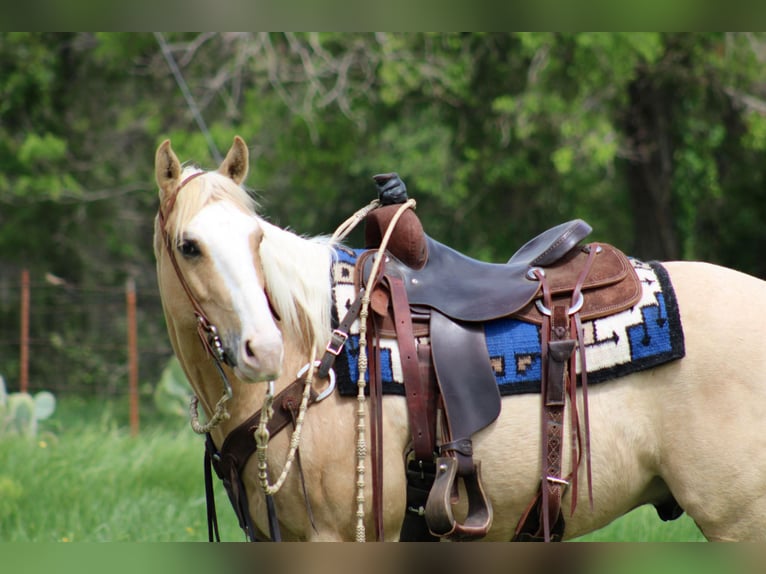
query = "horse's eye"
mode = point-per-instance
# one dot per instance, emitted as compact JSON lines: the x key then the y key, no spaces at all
{"x":189,"y":248}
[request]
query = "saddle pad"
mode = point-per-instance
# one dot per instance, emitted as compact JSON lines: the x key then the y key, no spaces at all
{"x":644,"y":336}
{"x":641,"y":337}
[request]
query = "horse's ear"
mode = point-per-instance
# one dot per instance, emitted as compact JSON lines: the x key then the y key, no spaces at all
{"x":167,"y":169}
{"x":236,"y":163}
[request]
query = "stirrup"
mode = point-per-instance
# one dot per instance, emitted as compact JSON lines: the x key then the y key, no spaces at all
{"x":439,"y":516}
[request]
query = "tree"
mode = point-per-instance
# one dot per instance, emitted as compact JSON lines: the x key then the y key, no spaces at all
{"x":656,"y":139}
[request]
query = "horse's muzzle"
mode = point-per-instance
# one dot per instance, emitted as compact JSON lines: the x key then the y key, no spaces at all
{"x":259,"y":359}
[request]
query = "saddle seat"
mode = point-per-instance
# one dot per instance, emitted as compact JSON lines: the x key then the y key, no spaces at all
{"x":465,"y":289}
{"x":460,"y":287}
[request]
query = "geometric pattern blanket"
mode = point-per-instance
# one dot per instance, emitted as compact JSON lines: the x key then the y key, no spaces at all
{"x":644,"y":336}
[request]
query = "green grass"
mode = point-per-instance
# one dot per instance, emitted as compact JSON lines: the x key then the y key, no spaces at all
{"x":85,"y":479}
{"x":644,"y":525}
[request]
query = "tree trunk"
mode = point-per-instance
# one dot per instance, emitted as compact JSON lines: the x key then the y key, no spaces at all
{"x":649,"y":170}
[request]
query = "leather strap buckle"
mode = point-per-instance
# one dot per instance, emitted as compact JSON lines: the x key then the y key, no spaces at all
{"x":337,"y":341}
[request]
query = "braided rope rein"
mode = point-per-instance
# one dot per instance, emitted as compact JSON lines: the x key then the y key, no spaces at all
{"x":219,"y":415}
{"x":261,"y":434}
{"x":347,"y":226}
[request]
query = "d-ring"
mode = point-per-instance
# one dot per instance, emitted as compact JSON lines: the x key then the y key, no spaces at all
{"x":532,"y":273}
{"x":578,"y":304}
{"x":330,"y":387}
{"x":572,"y":310}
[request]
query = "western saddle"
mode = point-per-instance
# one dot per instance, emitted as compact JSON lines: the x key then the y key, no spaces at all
{"x":435,"y":300}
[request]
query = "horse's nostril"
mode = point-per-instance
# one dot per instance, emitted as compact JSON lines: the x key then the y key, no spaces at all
{"x":248,"y":350}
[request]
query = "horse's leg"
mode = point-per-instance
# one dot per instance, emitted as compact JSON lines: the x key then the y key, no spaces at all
{"x":330,"y":465}
{"x":713,"y":457}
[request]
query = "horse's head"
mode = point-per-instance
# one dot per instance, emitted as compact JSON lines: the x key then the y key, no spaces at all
{"x":207,"y":240}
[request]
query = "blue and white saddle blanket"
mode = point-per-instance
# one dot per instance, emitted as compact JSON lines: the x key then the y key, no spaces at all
{"x":644,"y":336}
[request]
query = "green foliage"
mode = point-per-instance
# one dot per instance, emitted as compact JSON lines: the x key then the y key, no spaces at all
{"x":28,"y":68}
{"x":502,"y":120}
{"x":755,"y":136}
{"x":421,"y":152}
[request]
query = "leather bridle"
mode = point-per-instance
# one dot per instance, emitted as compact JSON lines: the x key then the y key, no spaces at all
{"x":207,"y":331}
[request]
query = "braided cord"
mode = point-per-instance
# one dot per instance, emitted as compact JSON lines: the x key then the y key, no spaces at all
{"x":261,"y":435}
{"x":220,"y":415}
{"x":361,"y":441}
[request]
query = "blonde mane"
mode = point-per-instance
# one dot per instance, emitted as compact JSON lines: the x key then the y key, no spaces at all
{"x":297,"y":274}
{"x":296,"y":269}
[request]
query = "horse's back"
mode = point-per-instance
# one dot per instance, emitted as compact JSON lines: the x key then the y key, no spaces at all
{"x":723,"y":314}
{"x":726,"y":291}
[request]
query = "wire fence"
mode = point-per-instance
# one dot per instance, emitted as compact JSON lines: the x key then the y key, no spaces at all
{"x":72,"y":339}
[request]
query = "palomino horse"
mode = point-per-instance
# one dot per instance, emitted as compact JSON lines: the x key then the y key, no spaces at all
{"x":688,"y":430}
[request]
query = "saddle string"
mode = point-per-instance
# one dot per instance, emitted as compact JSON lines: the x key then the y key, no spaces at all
{"x":579,"y":336}
{"x":361,"y":443}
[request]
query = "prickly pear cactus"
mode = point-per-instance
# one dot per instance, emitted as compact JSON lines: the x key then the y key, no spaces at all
{"x":173,"y":391}
{"x":20,"y":413}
